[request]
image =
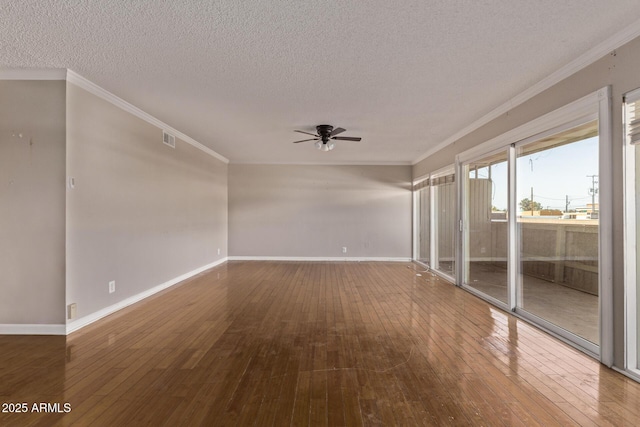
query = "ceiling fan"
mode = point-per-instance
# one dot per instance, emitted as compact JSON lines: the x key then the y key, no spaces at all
{"x":324,"y":136}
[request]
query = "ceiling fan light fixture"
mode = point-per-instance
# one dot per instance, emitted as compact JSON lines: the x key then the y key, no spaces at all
{"x":324,"y":146}
{"x":323,"y":139}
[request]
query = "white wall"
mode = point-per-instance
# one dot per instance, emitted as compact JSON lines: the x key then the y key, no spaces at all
{"x":32,"y":206}
{"x":141,"y":213}
{"x":313,"y":211}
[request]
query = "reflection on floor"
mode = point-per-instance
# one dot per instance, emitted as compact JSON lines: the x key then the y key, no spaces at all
{"x":446,"y":267}
{"x":284,"y":343}
{"x":573,"y":310}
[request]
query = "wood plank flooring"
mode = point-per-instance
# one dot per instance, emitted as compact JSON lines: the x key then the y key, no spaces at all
{"x":322,"y":344}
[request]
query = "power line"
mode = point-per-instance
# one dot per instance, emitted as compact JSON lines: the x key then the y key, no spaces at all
{"x":551,"y":198}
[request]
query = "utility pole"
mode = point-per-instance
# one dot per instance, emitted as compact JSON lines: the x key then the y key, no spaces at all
{"x":566,"y":203}
{"x":531,"y":201}
{"x":593,"y":191}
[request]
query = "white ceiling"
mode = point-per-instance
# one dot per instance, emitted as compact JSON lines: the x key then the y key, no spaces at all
{"x":240,"y":76}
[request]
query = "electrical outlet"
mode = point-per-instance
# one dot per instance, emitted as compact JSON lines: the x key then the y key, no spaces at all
{"x":112,"y":286}
{"x":71,"y":311}
{"x":218,"y":251}
{"x":344,"y":249}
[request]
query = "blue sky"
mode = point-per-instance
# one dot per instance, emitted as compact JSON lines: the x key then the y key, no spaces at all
{"x":553,"y":174}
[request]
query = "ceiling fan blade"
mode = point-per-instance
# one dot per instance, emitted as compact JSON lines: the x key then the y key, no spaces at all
{"x":346,"y":138}
{"x":305,"y":140}
{"x":301,"y":131}
{"x":337,"y":131}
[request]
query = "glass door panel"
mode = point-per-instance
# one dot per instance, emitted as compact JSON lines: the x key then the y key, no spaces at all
{"x":557,"y":225}
{"x":486,"y":229}
{"x":637,"y":253}
{"x":445,"y":224}
{"x":424,"y":232}
{"x":631,"y":114}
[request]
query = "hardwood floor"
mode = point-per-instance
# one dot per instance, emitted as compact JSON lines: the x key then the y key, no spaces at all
{"x":571,"y":309}
{"x":288,"y":343}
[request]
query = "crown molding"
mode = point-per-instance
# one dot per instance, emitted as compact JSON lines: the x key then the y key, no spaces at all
{"x":78,"y":80}
{"x":33,"y":74}
{"x":340,"y":163}
{"x":597,"y":52}
{"x":75,"y":78}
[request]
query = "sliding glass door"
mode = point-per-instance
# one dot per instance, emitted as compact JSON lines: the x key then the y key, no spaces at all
{"x":557,"y":230}
{"x":423,"y":223}
{"x":444,"y":223}
{"x":485,"y":238}
{"x":519,"y":222}
{"x":435,"y":222}
{"x":632,"y":231}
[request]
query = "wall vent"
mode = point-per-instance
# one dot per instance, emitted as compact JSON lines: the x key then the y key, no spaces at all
{"x":169,"y":139}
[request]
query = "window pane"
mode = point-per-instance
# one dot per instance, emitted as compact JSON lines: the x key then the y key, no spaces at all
{"x":557,"y":195}
{"x":444,"y":198}
{"x":486,"y":238}
{"x":637,"y":218}
{"x":423,"y":225}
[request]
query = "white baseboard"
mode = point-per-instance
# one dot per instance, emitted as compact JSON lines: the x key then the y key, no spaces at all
{"x":28,"y":329}
{"x":298,"y":258}
{"x":86,"y":320}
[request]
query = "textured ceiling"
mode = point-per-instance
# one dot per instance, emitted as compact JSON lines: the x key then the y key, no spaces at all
{"x":240,"y":76}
